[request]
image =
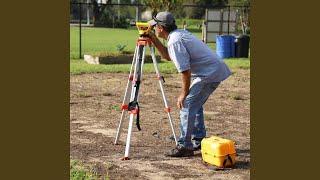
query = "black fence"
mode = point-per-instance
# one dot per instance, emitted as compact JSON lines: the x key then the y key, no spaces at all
{"x":190,"y":17}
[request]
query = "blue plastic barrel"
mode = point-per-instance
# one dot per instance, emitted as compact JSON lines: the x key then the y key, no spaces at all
{"x":225,"y":46}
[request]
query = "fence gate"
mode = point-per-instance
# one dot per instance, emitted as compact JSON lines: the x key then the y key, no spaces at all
{"x":219,"y":21}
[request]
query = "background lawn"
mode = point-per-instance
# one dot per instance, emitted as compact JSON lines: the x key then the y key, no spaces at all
{"x":97,"y":41}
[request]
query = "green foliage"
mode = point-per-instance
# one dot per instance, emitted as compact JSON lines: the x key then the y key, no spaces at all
{"x":172,"y":5}
{"x":79,"y":172}
{"x":239,"y":2}
{"x":197,"y":13}
{"x":163,"y":5}
{"x":109,"y":19}
{"x":114,"y":107}
{"x":121,"y":47}
{"x":106,"y":16}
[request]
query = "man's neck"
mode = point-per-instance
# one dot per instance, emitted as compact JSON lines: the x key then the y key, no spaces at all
{"x":166,"y":35}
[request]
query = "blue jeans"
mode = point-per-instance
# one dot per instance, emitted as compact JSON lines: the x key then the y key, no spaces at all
{"x":192,"y":128}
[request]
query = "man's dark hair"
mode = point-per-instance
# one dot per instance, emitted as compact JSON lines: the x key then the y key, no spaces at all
{"x":169,"y":28}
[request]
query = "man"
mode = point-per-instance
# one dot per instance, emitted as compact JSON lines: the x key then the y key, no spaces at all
{"x":195,"y":62}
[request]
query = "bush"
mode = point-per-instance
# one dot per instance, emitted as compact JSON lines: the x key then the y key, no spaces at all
{"x":110,"y":19}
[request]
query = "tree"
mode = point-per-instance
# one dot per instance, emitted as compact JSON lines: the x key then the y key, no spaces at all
{"x":243,"y":14}
{"x":239,"y":2}
{"x":155,"y":5}
{"x":159,"y":5}
{"x":196,"y":13}
{"x":172,"y":5}
{"x":98,"y":10}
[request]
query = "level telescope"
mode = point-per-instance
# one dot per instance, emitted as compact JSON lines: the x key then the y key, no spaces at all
{"x":143,"y":27}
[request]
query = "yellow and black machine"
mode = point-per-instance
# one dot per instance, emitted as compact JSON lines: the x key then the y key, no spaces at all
{"x":218,"y":151}
{"x":143,"y":27}
{"x":131,"y":95}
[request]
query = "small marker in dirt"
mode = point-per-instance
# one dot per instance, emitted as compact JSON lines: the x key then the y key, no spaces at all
{"x":156,"y":134}
{"x":125,"y":158}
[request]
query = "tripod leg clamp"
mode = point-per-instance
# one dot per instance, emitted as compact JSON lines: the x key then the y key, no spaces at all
{"x":167,"y":109}
{"x":124,"y":107}
{"x":133,"y":108}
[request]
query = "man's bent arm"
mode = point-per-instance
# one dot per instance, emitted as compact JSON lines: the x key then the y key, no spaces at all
{"x":186,"y":78}
{"x":161,"y":48}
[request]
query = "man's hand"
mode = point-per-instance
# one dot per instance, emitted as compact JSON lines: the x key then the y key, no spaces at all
{"x":180,"y":101}
{"x":185,"y":76}
{"x":161,"y":48}
{"x":152,"y":36}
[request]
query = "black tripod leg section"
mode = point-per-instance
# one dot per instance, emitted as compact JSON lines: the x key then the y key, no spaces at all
{"x":138,"y":118}
{"x":134,"y":104}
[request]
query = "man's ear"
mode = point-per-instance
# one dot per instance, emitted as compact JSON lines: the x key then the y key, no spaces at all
{"x":160,"y":28}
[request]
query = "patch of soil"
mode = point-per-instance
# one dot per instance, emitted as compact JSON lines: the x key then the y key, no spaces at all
{"x":95,"y":101}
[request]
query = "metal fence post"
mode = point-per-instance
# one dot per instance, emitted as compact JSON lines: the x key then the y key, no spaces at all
{"x":80,"y":18}
{"x":228,"y":19}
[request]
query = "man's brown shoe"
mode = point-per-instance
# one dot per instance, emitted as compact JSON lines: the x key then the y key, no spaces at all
{"x":179,"y":151}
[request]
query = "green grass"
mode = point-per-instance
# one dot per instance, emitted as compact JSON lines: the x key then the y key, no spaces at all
{"x":79,"y":172}
{"x":192,"y":24}
{"x":101,"y":40}
{"x":238,"y":63}
{"x":80,"y":67}
{"x":105,"y":40}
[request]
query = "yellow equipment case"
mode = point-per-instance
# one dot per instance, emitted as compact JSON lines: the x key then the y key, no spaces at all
{"x":218,"y":151}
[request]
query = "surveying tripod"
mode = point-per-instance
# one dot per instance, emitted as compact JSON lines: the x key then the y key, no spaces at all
{"x":133,"y":83}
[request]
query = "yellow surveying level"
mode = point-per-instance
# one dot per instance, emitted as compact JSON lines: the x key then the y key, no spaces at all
{"x":143,"y":27}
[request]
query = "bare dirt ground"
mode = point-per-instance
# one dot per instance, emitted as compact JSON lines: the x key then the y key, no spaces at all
{"x":95,"y":114}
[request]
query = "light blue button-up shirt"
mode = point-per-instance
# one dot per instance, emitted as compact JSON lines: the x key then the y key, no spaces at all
{"x":188,"y":52}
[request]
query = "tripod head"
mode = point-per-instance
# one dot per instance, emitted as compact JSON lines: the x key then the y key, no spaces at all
{"x":143,"y":27}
